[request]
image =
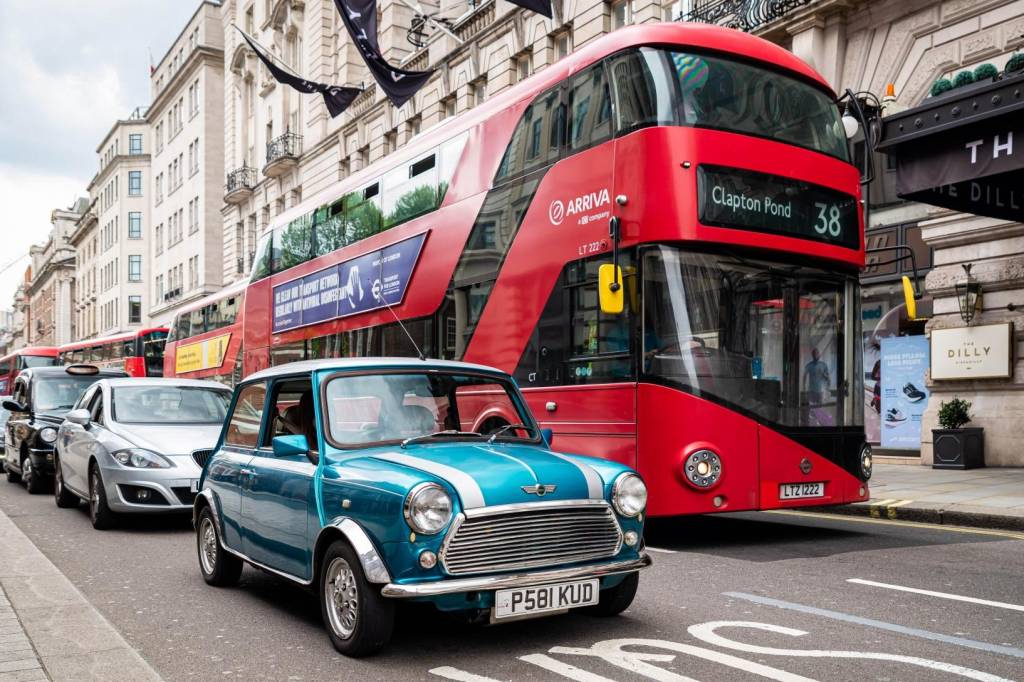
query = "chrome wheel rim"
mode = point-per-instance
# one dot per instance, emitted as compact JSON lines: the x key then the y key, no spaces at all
{"x":94,"y":493}
{"x":207,"y":546}
{"x":58,"y":485}
{"x":26,"y":472}
{"x":341,"y":595}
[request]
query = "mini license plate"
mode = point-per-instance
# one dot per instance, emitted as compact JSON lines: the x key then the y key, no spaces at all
{"x":526,"y":601}
{"x":796,"y":491}
{"x":194,"y":487}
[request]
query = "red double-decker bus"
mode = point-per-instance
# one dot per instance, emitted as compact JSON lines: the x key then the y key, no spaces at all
{"x":12,"y":363}
{"x":140,"y":353}
{"x":659,"y":236}
{"x":206,"y":338}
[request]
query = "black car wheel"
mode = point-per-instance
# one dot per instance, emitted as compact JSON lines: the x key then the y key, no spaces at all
{"x":615,"y":600}
{"x":12,"y":477}
{"x":358,"y":619}
{"x":33,"y":480}
{"x":64,"y":498}
{"x":218,"y":566}
{"x":99,"y":513}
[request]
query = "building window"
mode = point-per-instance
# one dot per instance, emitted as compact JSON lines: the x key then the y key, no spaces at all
{"x":562,"y":45}
{"x":135,"y":143}
{"x":523,"y":66}
{"x":134,"y":268}
{"x":622,"y":13}
{"x":135,"y":183}
{"x":478,"y":92}
{"x":134,"y":225}
{"x":447,"y":107}
{"x":134,"y":310}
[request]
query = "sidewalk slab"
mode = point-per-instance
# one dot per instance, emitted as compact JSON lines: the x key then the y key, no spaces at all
{"x":48,"y":630}
{"x":981,"y":498}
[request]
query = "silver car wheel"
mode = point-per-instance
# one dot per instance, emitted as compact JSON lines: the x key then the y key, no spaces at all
{"x":208,"y":546}
{"x":94,"y":492}
{"x":342,"y":596}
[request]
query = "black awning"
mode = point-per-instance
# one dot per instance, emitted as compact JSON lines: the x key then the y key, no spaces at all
{"x":963,"y":150}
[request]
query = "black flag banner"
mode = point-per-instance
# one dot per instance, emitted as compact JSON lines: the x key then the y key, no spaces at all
{"x":336,"y":97}
{"x":360,"y":17}
{"x":538,"y":6}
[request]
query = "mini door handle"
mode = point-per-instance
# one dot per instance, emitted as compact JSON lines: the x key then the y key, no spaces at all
{"x":248,"y":472}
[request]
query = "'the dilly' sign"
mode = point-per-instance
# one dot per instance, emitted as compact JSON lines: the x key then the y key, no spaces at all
{"x":981,"y":352}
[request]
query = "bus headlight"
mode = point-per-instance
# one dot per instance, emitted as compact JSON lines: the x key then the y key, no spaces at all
{"x":865,"y":461}
{"x":629,"y":495}
{"x":702,"y":469}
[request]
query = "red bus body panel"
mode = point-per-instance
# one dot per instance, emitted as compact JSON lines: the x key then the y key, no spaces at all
{"x":9,"y":369}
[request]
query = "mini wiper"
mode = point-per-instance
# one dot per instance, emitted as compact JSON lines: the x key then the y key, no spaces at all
{"x":436,"y":434}
{"x":506,"y":427}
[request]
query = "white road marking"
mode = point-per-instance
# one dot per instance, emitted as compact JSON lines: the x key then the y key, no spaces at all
{"x":451,"y":673}
{"x":706,"y":633}
{"x":611,"y":650}
{"x":881,"y":625}
{"x":882,"y":502}
{"x":659,"y":550}
{"x":564,"y":669}
{"x":901,"y":503}
{"x":941,"y":595}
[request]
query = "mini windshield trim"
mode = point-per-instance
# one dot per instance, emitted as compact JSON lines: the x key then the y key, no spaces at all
{"x":512,"y":391}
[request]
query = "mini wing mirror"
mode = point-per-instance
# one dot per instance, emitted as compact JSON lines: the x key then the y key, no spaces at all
{"x":548,"y":436}
{"x":288,"y":446}
{"x":80,"y":417}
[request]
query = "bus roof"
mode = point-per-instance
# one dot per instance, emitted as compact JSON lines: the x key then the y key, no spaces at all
{"x":701,"y":37}
{"x":233,"y":289}
{"x":40,"y":351}
{"x":89,"y":343}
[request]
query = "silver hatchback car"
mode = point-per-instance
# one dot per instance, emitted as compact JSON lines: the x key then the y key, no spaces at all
{"x":127,"y":446}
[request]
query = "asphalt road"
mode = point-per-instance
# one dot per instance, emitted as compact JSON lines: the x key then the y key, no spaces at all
{"x":738,"y":597}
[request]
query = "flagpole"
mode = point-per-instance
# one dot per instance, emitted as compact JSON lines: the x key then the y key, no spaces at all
{"x":444,"y":29}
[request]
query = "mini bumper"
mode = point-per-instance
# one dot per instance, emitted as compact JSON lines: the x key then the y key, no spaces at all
{"x":501,"y":582}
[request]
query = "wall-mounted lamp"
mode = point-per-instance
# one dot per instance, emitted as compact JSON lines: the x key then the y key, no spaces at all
{"x":968,"y":295}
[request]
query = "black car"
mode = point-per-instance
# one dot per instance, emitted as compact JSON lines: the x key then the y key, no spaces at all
{"x":40,"y":399}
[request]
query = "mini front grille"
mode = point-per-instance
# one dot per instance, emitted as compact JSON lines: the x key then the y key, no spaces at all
{"x":201,"y":457}
{"x":535,"y":536}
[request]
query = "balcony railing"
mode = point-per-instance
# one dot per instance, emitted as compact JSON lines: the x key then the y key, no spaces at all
{"x":285,"y":146}
{"x":744,"y":15}
{"x":240,"y":178}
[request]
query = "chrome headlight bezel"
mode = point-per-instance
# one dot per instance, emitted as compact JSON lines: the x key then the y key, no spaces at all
{"x":140,"y":458}
{"x":48,"y":435}
{"x":624,"y":489}
{"x":423,"y":498}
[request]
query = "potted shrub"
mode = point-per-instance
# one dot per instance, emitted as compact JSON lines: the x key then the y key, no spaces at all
{"x":954,"y":447}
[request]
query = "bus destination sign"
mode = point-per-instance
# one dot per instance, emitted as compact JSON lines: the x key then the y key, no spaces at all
{"x":358,"y":285}
{"x":745,"y":200}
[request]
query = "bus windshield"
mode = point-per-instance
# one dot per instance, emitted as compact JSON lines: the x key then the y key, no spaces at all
{"x":765,"y":338}
{"x":26,"y":361}
{"x":153,"y":352}
{"x":665,"y":87}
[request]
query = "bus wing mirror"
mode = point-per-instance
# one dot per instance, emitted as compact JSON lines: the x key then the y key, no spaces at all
{"x":909,"y":298}
{"x":610,"y":289}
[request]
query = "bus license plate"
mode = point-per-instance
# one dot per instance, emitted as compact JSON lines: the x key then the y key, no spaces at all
{"x":797,"y":491}
{"x":531,"y":600}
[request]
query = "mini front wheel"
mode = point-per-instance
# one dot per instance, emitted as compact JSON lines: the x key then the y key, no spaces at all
{"x":615,"y":600}
{"x":358,"y":619}
{"x":218,"y":566}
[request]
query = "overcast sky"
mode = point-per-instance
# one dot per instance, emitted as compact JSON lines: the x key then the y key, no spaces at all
{"x":71,"y":68}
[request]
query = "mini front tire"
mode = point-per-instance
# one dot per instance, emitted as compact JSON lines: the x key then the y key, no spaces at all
{"x":358,"y":619}
{"x":615,"y":600}
{"x":219,"y":567}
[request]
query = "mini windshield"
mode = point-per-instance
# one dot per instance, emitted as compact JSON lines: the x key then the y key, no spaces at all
{"x":368,"y":409}
{"x":169,"y":405}
{"x":53,"y":394}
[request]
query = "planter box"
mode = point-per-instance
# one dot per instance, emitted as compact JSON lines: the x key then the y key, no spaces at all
{"x":958,"y":448}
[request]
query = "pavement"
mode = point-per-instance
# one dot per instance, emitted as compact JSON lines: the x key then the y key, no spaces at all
{"x":982,"y":498}
{"x":787,"y":595}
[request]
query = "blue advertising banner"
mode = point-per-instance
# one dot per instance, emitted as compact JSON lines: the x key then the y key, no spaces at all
{"x":358,"y":285}
{"x":904,"y":396}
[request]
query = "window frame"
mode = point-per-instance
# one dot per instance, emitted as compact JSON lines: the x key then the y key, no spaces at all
{"x":240,"y":391}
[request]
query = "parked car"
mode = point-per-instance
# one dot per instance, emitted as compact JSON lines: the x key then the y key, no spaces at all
{"x":367,"y":480}
{"x":39,"y":401}
{"x":5,"y":414}
{"x":127,"y":446}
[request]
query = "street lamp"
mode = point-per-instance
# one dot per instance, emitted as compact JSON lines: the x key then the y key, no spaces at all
{"x":968,"y":295}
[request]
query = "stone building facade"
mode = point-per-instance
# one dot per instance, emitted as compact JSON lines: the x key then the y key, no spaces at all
{"x":187,"y":125}
{"x":50,"y":292}
{"x":85,"y":241}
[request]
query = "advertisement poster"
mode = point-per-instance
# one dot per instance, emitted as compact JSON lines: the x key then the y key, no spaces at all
{"x":904,"y":396}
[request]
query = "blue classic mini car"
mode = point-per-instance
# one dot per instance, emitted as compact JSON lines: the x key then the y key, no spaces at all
{"x":370,"y":480}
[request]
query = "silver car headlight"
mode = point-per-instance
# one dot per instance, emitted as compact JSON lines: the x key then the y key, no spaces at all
{"x":428,"y":508}
{"x":140,"y":459}
{"x":629,"y":495}
{"x":48,"y":434}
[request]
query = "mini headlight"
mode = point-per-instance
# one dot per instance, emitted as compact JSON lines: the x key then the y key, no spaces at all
{"x":629,"y":495}
{"x":865,"y":461}
{"x":48,"y":434}
{"x":702,"y":469}
{"x":140,"y":459}
{"x":428,"y":508}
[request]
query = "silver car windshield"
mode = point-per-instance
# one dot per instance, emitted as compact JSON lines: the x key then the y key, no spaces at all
{"x":169,"y":405}
{"x":365,"y":409}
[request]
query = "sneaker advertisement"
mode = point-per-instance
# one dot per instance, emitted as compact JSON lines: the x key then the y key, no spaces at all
{"x":904,"y":396}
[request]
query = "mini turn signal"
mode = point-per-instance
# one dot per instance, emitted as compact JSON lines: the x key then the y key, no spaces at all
{"x":630,"y":537}
{"x":428,"y":559}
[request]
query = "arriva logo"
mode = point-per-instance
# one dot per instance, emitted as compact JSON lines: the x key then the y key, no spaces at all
{"x":558,"y":211}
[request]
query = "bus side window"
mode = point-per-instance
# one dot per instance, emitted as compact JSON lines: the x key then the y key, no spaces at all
{"x":638,"y":91}
{"x":181,"y":327}
{"x":197,"y":321}
{"x":213,"y":319}
{"x":590,"y":109}
{"x":410,"y":190}
{"x":228,"y":311}
{"x":538,"y":138}
{"x":363,"y":215}
{"x":261,"y":263}
{"x":293,"y":243}
{"x":450,"y":154}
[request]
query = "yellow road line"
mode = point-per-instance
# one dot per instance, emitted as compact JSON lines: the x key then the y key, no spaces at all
{"x":914,"y":524}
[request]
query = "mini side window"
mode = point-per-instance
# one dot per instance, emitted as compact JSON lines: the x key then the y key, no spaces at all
{"x":244,"y":427}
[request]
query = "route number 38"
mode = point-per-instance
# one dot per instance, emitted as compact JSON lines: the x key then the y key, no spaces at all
{"x":828,"y":219}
